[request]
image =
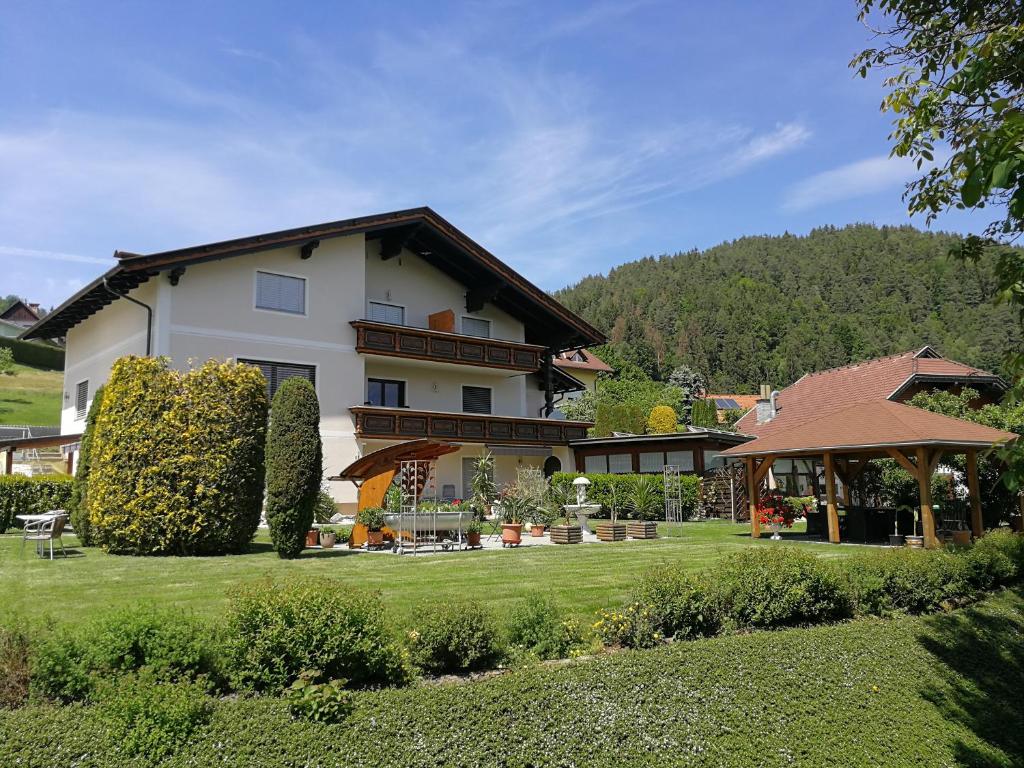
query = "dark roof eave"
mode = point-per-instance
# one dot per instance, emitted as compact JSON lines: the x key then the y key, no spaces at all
{"x":737,"y":437}
{"x":751,"y":450}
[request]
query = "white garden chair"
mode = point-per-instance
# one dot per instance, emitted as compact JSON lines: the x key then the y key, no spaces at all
{"x":46,"y":530}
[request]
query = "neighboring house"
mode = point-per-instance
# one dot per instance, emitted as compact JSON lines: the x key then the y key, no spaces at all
{"x":724,"y":404}
{"x":694,"y":452}
{"x":584,"y":365}
{"x":895,"y":378}
{"x":406,"y":327}
{"x":21,"y":314}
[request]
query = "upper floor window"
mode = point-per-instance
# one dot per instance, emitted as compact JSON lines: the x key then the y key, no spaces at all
{"x":278,"y":373}
{"x":476,"y":399}
{"x":281,"y":293}
{"x":386,"y":313}
{"x":81,"y":399}
{"x":476,"y":326}
{"x":385,"y":392}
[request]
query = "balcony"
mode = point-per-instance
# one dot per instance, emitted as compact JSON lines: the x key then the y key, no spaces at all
{"x":373,"y":338}
{"x":405,"y":424}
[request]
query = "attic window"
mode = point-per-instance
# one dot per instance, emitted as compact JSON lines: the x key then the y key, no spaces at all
{"x":476,"y":326}
{"x":281,"y":293}
{"x":392,"y":314}
{"x":476,"y":399}
{"x":578,"y":357}
{"x":81,"y":399}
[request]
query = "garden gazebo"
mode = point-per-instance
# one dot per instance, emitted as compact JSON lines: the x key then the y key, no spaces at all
{"x":847,"y":438}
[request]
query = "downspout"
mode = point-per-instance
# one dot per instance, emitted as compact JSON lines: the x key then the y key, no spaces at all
{"x":149,"y":314}
{"x":549,"y":386}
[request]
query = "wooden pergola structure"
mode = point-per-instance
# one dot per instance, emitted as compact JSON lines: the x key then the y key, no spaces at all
{"x":8,"y":447}
{"x":848,"y":438}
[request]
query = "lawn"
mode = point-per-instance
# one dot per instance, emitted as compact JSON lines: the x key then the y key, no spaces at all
{"x":33,"y":396}
{"x":580,"y":578}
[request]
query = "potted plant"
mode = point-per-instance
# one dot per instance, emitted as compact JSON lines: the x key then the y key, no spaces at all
{"x":513,"y":512}
{"x":540,"y":519}
{"x":312,"y":537}
{"x":776,"y":511}
{"x":914,"y":541}
{"x":328,"y":537}
{"x":612,"y":530}
{"x":373,"y":519}
{"x":896,"y":539}
{"x":473,"y":530}
{"x":645,"y":502}
{"x":482,"y":485}
{"x":566,"y":532}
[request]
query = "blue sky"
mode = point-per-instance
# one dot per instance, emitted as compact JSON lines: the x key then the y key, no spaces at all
{"x":564,"y":137}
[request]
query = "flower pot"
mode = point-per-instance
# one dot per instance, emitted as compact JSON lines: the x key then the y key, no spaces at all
{"x":915,"y":542}
{"x":473,"y":539}
{"x":897,"y":539}
{"x":642,"y":529}
{"x":312,"y":537}
{"x":511,"y":534}
{"x":611,"y":531}
{"x":328,"y":540}
{"x":1017,"y":523}
{"x":536,"y":531}
{"x":566,"y":534}
{"x":374,"y":538}
{"x":962,"y":538}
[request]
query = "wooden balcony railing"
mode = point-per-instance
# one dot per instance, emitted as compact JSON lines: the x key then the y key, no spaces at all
{"x":374,"y":338}
{"x":402,"y":423}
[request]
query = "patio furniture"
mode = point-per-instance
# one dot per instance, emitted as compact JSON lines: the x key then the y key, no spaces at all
{"x":45,"y":528}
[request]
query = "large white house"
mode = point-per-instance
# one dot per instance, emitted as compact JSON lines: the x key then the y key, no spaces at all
{"x":406,"y":327}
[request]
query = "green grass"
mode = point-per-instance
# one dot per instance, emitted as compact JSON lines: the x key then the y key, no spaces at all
{"x":33,"y":396}
{"x":934,"y":691}
{"x":579,"y":578}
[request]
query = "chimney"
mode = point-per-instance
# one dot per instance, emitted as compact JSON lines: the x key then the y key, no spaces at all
{"x":34,"y":308}
{"x":764,"y":410}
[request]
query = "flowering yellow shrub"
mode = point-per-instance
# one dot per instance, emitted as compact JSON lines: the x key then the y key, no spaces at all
{"x":662,"y":420}
{"x":633,"y":626}
{"x":177,"y":463}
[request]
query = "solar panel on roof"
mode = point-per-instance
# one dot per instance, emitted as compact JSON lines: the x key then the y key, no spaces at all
{"x":726,"y":403}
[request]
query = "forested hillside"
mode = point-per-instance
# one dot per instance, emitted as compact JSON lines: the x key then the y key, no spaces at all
{"x":769,"y":309}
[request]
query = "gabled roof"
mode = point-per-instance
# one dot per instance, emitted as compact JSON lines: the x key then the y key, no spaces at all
{"x":19,"y":307}
{"x":743,"y":402}
{"x":881,"y":379}
{"x":590,"y":361}
{"x":420,"y":230}
{"x":879,"y":425}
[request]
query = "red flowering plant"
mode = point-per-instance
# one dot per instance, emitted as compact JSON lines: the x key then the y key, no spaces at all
{"x":775,"y":510}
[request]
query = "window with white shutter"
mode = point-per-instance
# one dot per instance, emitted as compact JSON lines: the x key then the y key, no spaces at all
{"x":281,"y":293}
{"x":620,"y":463}
{"x":652,"y":461}
{"x":81,"y":399}
{"x":595,"y":465}
{"x":278,"y":373}
{"x":476,"y":399}
{"x":386,"y":313}
{"x":476,"y":326}
{"x":681,"y":459}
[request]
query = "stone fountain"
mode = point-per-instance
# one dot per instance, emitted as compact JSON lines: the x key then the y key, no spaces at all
{"x":581,"y":508}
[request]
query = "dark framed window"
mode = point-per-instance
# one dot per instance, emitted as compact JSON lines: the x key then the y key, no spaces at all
{"x":385,"y":393}
{"x":81,"y":399}
{"x":476,"y":399}
{"x":278,"y":373}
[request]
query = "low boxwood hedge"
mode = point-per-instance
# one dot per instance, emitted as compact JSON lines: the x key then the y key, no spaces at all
{"x":22,"y":495}
{"x":34,"y":354}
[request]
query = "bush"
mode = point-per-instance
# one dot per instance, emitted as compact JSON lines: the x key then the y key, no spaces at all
{"x":324,"y":509}
{"x":277,"y":630}
{"x":911,"y":580}
{"x":15,"y":668}
{"x":996,"y":559}
{"x":682,"y":604}
{"x":7,"y":362}
{"x":152,"y":719}
{"x":326,"y":702}
{"x":167,"y":644}
{"x":605,"y":489}
{"x":779,"y":586}
{"x":451,"y":638}
{"x":21,"y":495}
{"x":633,"y":626}
{"x":34,"y":354}
{"x":77,"y":508}
{"x":662,"y":420}
{"x":294,"y":465}
{"x":177,"y":459}
{"x":537,"y":627}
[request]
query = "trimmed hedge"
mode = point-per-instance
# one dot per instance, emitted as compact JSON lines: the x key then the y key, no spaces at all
{"x":683,"y":604}
{"x":601,"y":485}
{"x":36,"y":355}
{"x":79,"y":488}
{"x":177,"y":459}
{"x":454,"y":637}
{"x":23,"y":495}
{"x":294,"y":465}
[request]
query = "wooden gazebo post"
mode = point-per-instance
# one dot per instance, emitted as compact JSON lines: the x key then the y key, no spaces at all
{"x":977,"y":526}
{"x":830,"y":498}
{"x":755,"y":522}
{"x":924,"y":484}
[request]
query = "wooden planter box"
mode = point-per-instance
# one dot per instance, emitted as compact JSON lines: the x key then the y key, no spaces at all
{"x":611,"y":531}
{"x":566,"y":534}
{"x":642,"y":529}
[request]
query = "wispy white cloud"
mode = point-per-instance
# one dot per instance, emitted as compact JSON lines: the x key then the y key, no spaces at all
{"x":13,"y":252}
{"x":857,"y":179}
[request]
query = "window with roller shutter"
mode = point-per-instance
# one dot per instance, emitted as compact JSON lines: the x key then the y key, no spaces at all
{"x":281,"y":293}
{"x":278,"y":373}
{"x":81,"y":399}
{"x":379,"y":312}
{"x":476,"y":399}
